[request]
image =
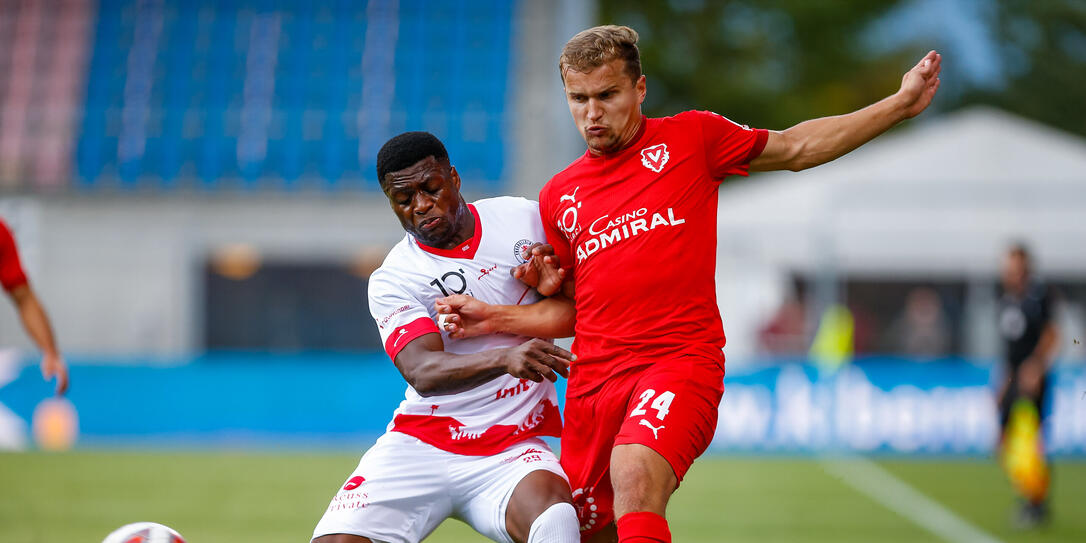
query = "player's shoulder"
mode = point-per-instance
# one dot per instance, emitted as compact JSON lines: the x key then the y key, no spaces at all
{"x":401,"y":258}
{"x":703,"y":117}
{"x":691,"y":115}
{"x":505,"y":204}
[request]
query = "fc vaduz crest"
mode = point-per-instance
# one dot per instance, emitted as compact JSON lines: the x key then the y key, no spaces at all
{"x":655,"y":157}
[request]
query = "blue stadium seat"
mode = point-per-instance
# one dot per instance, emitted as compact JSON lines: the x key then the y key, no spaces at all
{"x":275,"y":95}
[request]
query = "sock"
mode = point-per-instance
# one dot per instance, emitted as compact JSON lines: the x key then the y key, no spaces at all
{"x":558,"y":524}
{"x":643,"y":527}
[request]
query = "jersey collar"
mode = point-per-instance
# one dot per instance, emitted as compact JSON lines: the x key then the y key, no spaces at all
{"x":464,"y":250}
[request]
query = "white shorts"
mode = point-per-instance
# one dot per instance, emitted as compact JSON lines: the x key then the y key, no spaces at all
{"x":404,"y":488}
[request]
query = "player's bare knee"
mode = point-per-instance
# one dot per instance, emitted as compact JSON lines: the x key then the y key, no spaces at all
{"x":643,"y":480}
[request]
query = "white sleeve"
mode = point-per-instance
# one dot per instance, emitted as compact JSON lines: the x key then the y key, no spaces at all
{"x":400,"y":316}
{"x":538,"y":234}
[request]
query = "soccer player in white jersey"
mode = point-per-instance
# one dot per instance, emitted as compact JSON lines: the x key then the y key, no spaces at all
{"x":465,"y":442}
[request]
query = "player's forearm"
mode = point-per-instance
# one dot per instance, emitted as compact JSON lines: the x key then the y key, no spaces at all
{"x":35,"y":320}
{"x":438,"y":373}
{"x":818,"y":141}
{"x":549,"y":318}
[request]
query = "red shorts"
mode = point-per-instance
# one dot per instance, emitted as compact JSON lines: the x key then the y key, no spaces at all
{"x":670,"y":407}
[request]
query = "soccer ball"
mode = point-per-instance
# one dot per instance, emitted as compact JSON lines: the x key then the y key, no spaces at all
{"x":144,"y":532}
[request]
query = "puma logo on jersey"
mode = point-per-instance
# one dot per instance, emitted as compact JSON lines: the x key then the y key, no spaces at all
{"x":655,"y":157}
{"x":654,"y":429}
{"x":572,"y":197}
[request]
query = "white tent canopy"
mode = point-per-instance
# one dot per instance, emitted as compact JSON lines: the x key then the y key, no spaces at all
{"x":939,"y":197}
{"x":944,"y":196}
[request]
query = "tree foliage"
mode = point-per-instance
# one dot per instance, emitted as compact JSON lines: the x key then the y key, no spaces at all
{"x":778,"y":62}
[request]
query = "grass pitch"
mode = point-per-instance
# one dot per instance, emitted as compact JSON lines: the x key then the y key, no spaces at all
{"x":270,"y":497}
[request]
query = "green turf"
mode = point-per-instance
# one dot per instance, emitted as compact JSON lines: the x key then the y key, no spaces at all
{"x":266,"y":497}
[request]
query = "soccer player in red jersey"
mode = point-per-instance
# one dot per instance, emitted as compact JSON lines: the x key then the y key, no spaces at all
{"x":633,"y":225}
{"x":30,"y":310}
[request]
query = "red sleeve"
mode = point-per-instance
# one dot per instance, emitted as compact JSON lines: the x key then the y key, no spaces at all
{"x":729,"y":146}
{"x":400,"y":337}
{"x":11,"y":271}
{"x":555,"y":235}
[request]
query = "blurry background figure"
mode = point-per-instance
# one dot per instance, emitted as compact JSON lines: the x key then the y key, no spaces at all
{"x":30,"y":310}
{"x":922,"y":329}
{"x":785,"y":333}
{"x":1030,"y":338}
{"x":834,"y":342}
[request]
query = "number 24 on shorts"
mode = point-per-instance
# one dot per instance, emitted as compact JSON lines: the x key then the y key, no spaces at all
{"x":661,"y":404}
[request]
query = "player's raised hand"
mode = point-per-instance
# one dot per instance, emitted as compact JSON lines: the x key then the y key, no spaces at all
{"x":919,"y":84}
{"x":52,"y":365}
{"x":542,"y":271}
{"x":463,"y":316}
{"x":537,"y":359}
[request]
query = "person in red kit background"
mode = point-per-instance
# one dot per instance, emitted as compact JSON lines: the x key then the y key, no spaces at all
{"x":30,"y":310}
{"x":632,"y":224}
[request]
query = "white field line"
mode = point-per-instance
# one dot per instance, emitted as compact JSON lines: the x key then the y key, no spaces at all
{"x":870,"y":479}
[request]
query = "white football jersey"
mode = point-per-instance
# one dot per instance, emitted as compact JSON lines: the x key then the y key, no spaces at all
{"x":494,"y":415}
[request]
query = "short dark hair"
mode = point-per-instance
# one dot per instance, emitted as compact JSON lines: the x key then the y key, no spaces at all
{"x":407,"y":149}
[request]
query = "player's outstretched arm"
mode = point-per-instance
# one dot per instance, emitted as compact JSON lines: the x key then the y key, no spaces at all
{"x":818,"y":141}
{"x":431,"y":371}
{"x":38,"y":328}
{"x":464,"y":316}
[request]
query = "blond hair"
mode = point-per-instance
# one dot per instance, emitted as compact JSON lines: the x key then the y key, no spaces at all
{"x":597,"y":46}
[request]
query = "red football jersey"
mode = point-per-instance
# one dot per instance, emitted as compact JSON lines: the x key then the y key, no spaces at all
{"x":11,"y":271}
{"x":636,"y":230}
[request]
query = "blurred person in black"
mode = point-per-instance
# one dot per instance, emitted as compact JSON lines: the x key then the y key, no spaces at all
{"x":1030,"y":338}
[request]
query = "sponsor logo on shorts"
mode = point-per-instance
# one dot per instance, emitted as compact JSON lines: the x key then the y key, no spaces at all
{"x":655,"y":157}
{"x":528,"y":456}
{"x":354,"y":482}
